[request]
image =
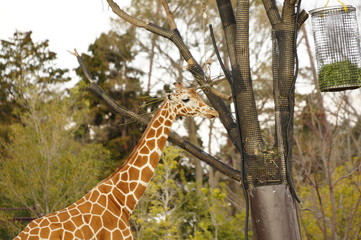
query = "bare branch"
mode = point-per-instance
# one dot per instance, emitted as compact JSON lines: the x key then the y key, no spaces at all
{"x":169,"y":14}
{"x":117,"y":10}
{"x":242,"y":38}
{"x":288,"y":11}
{"x":225,"y":71}
{"x":347,"y":175}
{"x":226,"y":13}
{"x":221,"y":95}
{"x":172,"y":35}
{"x":244,"y":98}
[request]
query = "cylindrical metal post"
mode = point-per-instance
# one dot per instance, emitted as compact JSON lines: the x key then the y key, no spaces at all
{"x":274,"y":213}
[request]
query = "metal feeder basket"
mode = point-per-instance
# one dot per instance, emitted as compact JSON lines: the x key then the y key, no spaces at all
{"x":337,"y":40}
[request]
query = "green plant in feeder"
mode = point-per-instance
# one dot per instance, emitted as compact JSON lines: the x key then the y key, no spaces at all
{"x":339,"y":75}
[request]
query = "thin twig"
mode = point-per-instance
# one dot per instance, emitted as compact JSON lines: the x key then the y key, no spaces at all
{"x":346,"y":176}
{"x":118,"y":11}
{"x":221,"y":95}
{"x":225,"y":71}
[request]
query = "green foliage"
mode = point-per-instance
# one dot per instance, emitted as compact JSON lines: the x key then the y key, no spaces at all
{"x":315,"y":215}
{"x":155,"y":216}
{"x":44,"y":162}
{"x":42,"y":167}
{"x":109,"y":63}
{"x":24,"y":63}
{"x":209,"y":215}
{"x":338,"y":75}
{"x":329,"y":183}
{"x":172,"y":209}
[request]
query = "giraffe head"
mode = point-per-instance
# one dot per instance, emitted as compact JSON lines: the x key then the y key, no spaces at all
{"x":188,"y":103}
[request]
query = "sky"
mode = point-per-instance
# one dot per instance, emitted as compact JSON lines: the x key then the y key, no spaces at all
{"x":70,"y":24}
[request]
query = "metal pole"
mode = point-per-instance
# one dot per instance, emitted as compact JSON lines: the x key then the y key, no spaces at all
{"x":274,"y":213}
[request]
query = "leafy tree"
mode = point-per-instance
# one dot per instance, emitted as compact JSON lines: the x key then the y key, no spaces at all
{"x":23,"y":62}
{"x":40,"y":154}
{"x":42,"y":167}
{"x":172,"y":209}
{"x":155,"y":216}
{"x":109,"y":63}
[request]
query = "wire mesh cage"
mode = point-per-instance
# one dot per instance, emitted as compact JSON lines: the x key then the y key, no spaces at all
{"x":337,"y":41}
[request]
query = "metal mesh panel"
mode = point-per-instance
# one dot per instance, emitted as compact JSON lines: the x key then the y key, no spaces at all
{"x":269,"y":167}
{"x":337,"y":42}
{"x":265,"y":170}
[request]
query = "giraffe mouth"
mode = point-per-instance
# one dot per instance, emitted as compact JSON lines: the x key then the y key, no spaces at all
{"x":212,"y":114}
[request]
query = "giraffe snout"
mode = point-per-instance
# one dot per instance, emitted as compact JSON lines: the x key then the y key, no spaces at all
{"x":211,"y":113}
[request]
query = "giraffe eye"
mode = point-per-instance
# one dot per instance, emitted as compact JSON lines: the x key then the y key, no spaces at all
{"x":186,"y":100}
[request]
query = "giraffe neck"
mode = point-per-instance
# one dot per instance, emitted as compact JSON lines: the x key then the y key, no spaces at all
{"x":133,"y":177}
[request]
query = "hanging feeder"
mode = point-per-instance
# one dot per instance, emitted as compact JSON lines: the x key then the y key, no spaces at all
{"x":337,"y":42}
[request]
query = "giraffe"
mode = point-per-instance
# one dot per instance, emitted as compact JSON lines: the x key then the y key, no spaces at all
{"x":103,"y":213}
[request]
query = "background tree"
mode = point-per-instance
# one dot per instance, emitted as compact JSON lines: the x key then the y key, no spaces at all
{"x":23,"y":62}
{"x":329,"y":157}
{"x":326,"y":156}
{"x":110,"y":62}
{"x":40,"y":155}
{"x":172,"y":208}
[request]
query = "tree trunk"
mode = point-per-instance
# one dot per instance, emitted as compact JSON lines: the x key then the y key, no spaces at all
{"x":192,"y":137}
